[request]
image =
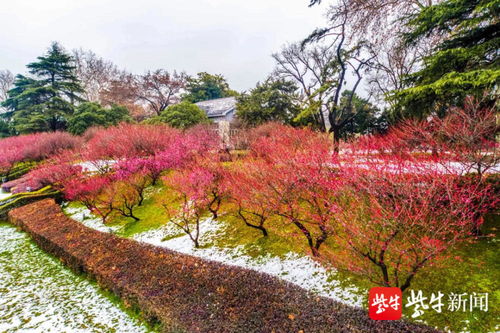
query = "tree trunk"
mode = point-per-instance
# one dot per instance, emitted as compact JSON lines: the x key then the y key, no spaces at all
{"x":476,"y":229}
{"x":336,"y":138}
{"x":315,"y":251}
{"x":385,"y":273}
{"x":214,"y":211}
{"x":259,"y":227}
{"x":407,"y":282}
{"x":133,"y":217}
{"x":310,"y":240}
{"x":322,"y":238}
{"x":141,"y":198}
{"x":130,"y":213}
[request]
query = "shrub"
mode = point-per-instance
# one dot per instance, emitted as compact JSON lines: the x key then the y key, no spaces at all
{"x":182,"y":115}
{"x":89,"y":114}
{"x":247,"y":192}
{"x":89,"y":192}
{"x":129,"y":141}
{"x":106,"y":196}
{"x":34,"y":147}
{"x":296,"y":175}
{"x":464,"y":140}
{"x":199,"y":190}
{"x":191,"y":294}
{"x":124,"y":196}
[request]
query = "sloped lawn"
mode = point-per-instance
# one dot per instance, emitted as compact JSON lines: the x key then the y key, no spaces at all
{"x":230,"y":241}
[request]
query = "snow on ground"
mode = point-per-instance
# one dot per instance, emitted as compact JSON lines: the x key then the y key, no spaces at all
{"x":38,"y":294}
{"x":445,"y":167}
{"x":95,"y":166}
{"x":4,"y":195}
{"x":88,"y":219}
{"x":298,"y":269}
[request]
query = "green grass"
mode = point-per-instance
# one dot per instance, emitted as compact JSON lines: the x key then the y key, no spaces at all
{"x":234,"y":233}
{"x":151,"y":214}
{"x":477,"y":270}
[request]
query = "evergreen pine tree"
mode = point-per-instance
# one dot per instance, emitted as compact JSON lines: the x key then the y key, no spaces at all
{"x":465,"y":63}
{"x":45,"y":100}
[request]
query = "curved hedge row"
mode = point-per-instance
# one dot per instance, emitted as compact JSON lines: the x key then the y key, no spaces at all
{"x":24,"y":198}
{"x":189,"y":294}
{"x":20,"y":169}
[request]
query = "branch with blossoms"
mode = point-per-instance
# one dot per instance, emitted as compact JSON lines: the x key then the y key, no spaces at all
{"x":295,"y":174}
{"x":90,"y":192}
{"x":199,"y":191}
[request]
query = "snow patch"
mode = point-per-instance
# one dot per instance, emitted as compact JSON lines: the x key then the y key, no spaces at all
{"x":4,"y":195}
{"x":83,"y":215}
{"x":96,"y":166}
{"x":39,"y":294}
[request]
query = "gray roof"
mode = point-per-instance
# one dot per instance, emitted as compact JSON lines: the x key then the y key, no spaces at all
{"x":218,"y":107}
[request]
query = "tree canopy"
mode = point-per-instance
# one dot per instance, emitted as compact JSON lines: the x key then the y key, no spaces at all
{"x":90,"y":114}
{"x":207,"y":86}
{"x":273,"y":100}
{"x":5,"y":129}
{"x":44,"y":100}
{"x":182,"y":115}
{"x":366,"y":118}
{"x":464,"y":63}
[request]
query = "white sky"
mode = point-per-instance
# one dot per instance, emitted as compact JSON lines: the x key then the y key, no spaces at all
{"x":234,"y":38}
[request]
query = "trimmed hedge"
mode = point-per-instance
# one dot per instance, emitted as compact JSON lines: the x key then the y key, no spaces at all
{"x":19,"y":170}
{"x":24,"y":198}
{"x":190,"y":294}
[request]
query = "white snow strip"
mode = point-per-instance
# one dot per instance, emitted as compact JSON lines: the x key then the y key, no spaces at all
{"x":88,"y":219}
{"x":96,"y":166}
{"x":444,"y":167}
{"x":298,"y":269}
{"x":38,"y":294}
{"x":4,"y":195}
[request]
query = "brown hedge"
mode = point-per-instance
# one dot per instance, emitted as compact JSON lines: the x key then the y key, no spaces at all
{"x":188,"y":294}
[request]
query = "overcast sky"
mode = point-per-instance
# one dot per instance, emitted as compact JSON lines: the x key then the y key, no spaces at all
{"x":231,"y":37}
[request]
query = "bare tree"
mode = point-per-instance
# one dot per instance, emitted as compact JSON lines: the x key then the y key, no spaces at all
{"x":6,"y":83}
{"x":310,"y":69}
{"x":374,"y":17}
{"x":95,"y":73}
{"x":159,"y":88}
{"x":123,"y":90}
{"x":380,"y":24}
{"x":391,"y":64}
{"x":105,"y":83}
{"x":322,"y":70}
